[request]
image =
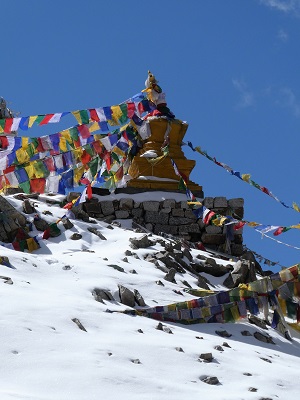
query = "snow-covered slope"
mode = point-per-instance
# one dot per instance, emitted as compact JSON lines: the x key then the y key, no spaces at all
{"x":44,"y":354}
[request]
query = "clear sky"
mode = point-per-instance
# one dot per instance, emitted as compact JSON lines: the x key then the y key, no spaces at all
{"x":229,"y":68}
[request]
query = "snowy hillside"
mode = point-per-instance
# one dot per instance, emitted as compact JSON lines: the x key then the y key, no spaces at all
{"x":59,"y":343}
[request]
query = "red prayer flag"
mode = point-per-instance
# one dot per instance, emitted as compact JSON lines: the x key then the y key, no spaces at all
{"x":94,"y":115}
{"x":8,"y":124}
{"x":84,"y":131}
{"x":46,"y":119}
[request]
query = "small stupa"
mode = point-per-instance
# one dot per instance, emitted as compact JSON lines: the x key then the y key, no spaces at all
{"x":163,"y":139}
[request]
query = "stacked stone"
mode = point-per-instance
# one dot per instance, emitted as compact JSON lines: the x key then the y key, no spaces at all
{"x":175,"y":218}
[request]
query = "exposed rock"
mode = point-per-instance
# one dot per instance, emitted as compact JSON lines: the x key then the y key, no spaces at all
{"x":225,"y":344}
{"x":246,"y":333}
{"x":136,"y":361}
{"x":206,"y":357}
{"x":263,"y":338}
{"x":202,"y":283}
{"x":126,"y":296}
{"x":132,"y":271}
{"x":101,"y":294}
{"x":210,"y":380}
{"x":167,"y":329}
{"x":159,"y":283}
{"x":252,"y":389}
{"x":107,"y":207}
{"x":76,"y":236}
{"x":96,"y":232}
{"x":213,"y":269}
{"x":141,"y":243}
{"x":247,"y":374}
{"x":79,"y":324}
{"x":151,"y":206}
{"x":139,"y":298}
{"x":40,"y":224}
{"x":116,"y":267}
{"x":180,"y":349}
{"x":266,"y":360}
{"x":128,"y":253}
{"x":170,"y":276}
{"x":140,"y":331}
{"x":67,"y":223}
{"x":159,"y":326}
{"x":238,"y":275}
{"x":257,"y":321}
{"x":28,"y":207}
{"x":248,"y":255}
{"x":219,"y":348}
{"x":223,"y":333}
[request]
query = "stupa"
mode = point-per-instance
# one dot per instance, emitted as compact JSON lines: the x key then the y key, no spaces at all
{"x":163,"y":139}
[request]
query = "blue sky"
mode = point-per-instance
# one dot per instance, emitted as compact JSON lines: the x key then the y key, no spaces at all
{"x":229,"y":68}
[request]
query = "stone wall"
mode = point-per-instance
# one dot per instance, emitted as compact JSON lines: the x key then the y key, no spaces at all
{"x":175,"y":218}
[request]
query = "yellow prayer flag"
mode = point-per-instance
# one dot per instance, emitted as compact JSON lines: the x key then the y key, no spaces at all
{"x":32,"y":245}
{"x":116,"y":114}
{"x":235,"y":313}
{"x":205,"y":312}
{"x":296,"y":207}
{"x":295,"y":226}
{"x":77,"y":116}
{"x":94,"y":127}
{"x":1,"y":129}
{"x":25,"y":142}
{"x":253,"y":224}
{"x":22,"y":156}
{"x":246,"y":177}
{"x":30,"y":171}
{"x":32,"y":120}
{"x":66,"y":135}
{"x":63,"y":144}
{"x":77,"y":153}
{"x":78,"y":172}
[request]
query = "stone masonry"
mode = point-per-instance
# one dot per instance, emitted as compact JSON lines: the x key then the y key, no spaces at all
{"x":175,"y":218}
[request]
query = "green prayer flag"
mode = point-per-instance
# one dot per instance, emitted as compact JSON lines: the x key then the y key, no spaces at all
{"x":25,"y":186}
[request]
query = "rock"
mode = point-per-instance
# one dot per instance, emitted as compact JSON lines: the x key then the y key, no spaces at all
{"x":140,"y":331}
{"x":107,"y":207}
{"x":215,"y":269}
{"x":206,"y":357}
{"x":266,"y":359}
{"x":170,"y":276}
{"x":116,"y":267}
{"x":238,"y":275}
{"x":159,"y":283}
{"x":187,"y":254}
{"x":128,"y":253}
{"x":40,"y":224}
{"x":159,"y":326}
{"x":139,"y":298}
{"x":257,"y":321}
{"x":67,"y":223}
{"x":252,"y":389}
{"x":225,"y":344}
{"x":132,"y":271}
{"x":142,"y":242}
{"x":101,"y":294}
{"x":79,"y":324}
{"x":180,"y":349}
{"x":167,"y":330}
{"x":223,"y":333}
{"x":263,"y":338}
{"x":151,"y":206}
{"x":219,"y":348}
{"x":220,"y":202}
{"x":210,"y":380}
{"x":126,"y":296}
{"x":66,"y":267}
{"x":247,"y":374}
{"x":122,"y":214}
{"x":246,"y":333}
{"x":125,"y":259}
{"x":248,"y":255}
{"x":76,"y":236}
{"x":136,"y":361}
{"x":28,"y":207}
{"x":96,"y":232}
{"x":202,"y":283}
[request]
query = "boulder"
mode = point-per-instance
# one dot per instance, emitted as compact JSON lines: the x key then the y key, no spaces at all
{"x":126,"y":296}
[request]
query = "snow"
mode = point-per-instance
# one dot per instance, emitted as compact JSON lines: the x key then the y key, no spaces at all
{"x":45,"y":356}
